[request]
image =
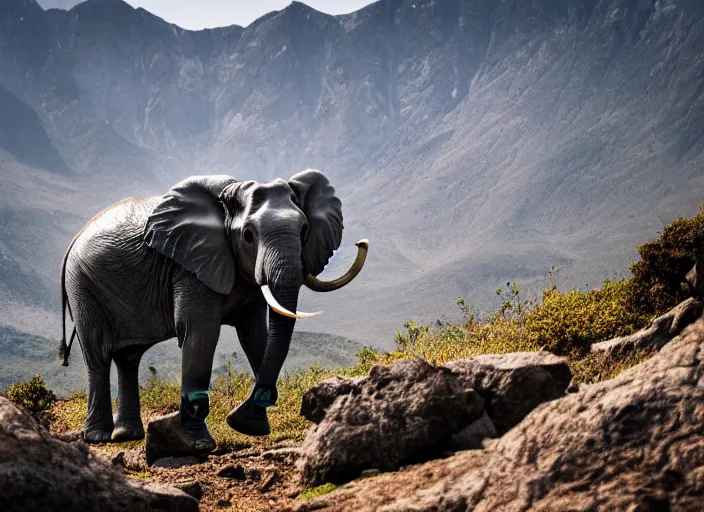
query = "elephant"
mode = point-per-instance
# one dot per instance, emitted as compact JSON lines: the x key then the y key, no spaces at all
{"x":211,"y":251}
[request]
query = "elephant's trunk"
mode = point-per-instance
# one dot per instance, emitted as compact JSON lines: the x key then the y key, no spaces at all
{"x":279,"y":339}
{"x":282,"y":282}
{"x":250,"y":417}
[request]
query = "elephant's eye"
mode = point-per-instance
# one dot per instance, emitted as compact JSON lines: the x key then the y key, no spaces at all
{"x":248,"y":236}
{"x":304,"y":233}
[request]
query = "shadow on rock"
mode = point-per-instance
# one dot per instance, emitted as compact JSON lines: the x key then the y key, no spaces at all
{"x":40,"y":473}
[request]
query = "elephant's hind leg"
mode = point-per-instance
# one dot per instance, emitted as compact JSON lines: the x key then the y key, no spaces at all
{"x":128,"y":424}
{"x":99,"y":423}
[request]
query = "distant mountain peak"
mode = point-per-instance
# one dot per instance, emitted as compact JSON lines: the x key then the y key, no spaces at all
{"x":104,"y":8}
{"x":299,"y":5}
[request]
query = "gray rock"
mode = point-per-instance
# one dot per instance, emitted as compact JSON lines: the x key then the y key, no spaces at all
{"x":167,"y":438}
{"x":40,"y":473}
{"x":472,"y":436}
{"x":632,"y":443}
{"x":402,"y":412}
{"x":658,"y":334}
{"x":514,"y":384}
{"x":322,"y":395}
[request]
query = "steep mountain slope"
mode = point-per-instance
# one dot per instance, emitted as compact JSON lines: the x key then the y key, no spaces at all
{"x":472,"y":141}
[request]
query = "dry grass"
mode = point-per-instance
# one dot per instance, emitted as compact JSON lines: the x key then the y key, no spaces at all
{"x":569,"y":320}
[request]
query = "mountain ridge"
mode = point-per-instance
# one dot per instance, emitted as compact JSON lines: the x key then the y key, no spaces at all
{"x":472,"y":142}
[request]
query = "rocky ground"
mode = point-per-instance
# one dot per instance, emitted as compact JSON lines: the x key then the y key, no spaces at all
{"x":248,"y":480}
{"x":494,"y":432}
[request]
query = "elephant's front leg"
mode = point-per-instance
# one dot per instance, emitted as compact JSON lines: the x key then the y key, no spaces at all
{"x":251,"y":418}
{"x":198,"y":314}
{"x":197,"y":352}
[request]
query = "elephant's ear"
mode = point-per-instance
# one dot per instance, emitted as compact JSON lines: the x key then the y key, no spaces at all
{"x":324,"y":212}
{"x":188,"y":226}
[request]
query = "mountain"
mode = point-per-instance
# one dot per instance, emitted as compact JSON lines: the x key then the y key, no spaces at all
{"x":472,"y":141}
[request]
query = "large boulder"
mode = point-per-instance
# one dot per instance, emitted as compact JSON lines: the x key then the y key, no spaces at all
{"x":632,"y":443}
{"x":399,"y":413}
{"x":40,"y":473}
{"x":513,"y":384}
{"x":663,"y":329}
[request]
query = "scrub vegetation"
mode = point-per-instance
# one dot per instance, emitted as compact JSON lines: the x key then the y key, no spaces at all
{"x":563,"y":322}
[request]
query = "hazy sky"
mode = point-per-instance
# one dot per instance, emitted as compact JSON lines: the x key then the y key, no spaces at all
{"x":197,"y":14}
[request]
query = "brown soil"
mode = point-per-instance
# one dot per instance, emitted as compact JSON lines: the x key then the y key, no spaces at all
{"x":248,"y":480}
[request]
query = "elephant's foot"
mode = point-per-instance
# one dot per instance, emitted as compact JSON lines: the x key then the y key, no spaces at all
{"x":97,"y":436}
{"x":249,"y":419}
{"x":127,"y":431}
{"x":166,"y":437}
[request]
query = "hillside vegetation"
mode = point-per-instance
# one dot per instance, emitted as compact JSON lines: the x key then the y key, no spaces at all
{"x":564,"y":322}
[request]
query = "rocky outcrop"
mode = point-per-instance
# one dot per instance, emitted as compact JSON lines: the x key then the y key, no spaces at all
{"x":632,"y":443}
{"x":513,"y":384}
{"x":40,"y":473}
{"x":400,"y":413}
{"x":658,"y":333}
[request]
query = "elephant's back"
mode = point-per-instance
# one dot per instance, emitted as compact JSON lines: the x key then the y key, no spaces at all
{"x":112,"y":273}
{"x":114,"y":236}
{"x":127,"y":213}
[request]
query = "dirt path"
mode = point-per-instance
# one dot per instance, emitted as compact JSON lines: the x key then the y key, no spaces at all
{"x":246,"y":480}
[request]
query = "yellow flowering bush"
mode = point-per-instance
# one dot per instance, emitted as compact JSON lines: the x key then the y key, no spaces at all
{"x":572,"y":321}
{"x":659,"y":275}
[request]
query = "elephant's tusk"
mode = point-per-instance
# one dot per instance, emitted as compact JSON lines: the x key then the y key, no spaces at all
{"x":317,"y":285}
{"x":282,"y":310}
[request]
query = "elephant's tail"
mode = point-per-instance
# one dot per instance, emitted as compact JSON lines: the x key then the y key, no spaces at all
{"x":65,"y":350}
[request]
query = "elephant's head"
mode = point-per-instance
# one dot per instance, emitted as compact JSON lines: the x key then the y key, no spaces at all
{"x":277,"y":235}
{"x":283,"y":233}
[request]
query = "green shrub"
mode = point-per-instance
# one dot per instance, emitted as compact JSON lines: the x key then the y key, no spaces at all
{"x":565,"y":322}
{"x":32,"y":395}
{"x":659,"y":275}
{"x":159,"y":396}
{"x":317,"y":491}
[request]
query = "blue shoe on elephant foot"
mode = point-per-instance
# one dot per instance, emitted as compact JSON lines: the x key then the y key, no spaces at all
{"x":97,"y":436}
{"x":249,"y":419}
{"x":124,"y":432}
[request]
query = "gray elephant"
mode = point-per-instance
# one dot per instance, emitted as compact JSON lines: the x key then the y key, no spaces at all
{"x":212,"y":251}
